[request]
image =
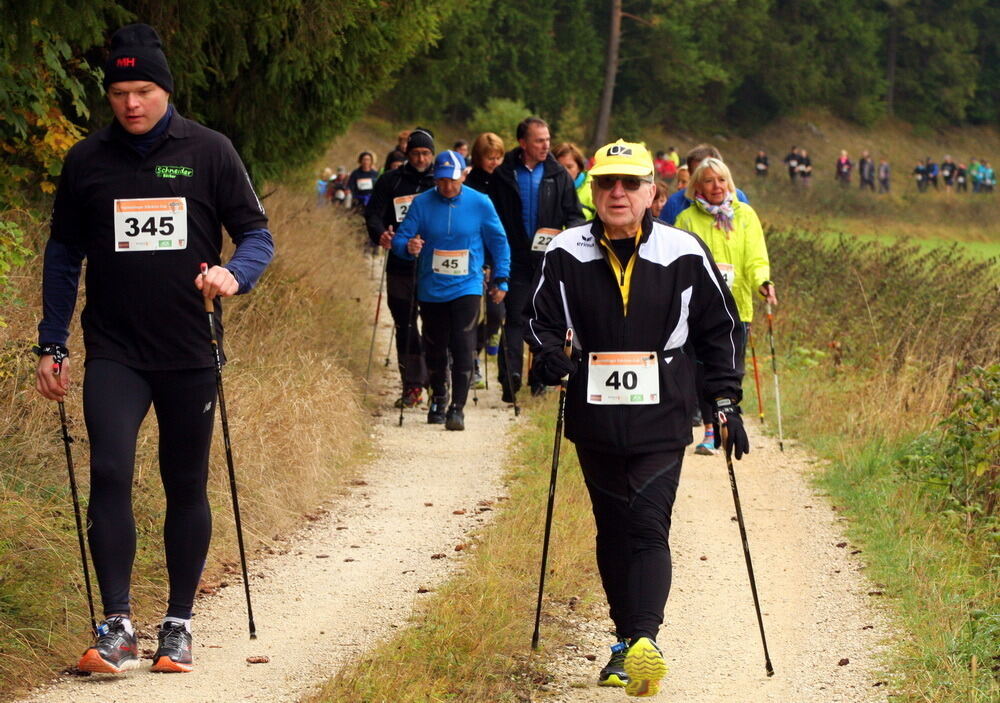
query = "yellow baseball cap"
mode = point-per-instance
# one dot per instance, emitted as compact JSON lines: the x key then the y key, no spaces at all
{"x":623,"y":159}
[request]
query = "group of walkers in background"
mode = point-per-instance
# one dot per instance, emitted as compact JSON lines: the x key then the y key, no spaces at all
{"x":872,"y":176}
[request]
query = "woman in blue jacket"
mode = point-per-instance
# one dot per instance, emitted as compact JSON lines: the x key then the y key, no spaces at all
{"x":448,"y":230}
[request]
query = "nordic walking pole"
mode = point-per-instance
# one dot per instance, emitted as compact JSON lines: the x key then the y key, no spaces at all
{"x":774,"y":368}
{"x":409,"y":333}
{"x":556,"y":443}
{"x":378,"y":309}
{"x":210,"y":309}
{"x":57,"y":362}
{"x":388,"y":350}
{"x":506,"y":360}
{"x":743,"y":536}
{"x":756,"y":376}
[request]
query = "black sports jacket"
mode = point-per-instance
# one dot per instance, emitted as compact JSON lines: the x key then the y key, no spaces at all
{"x":380,"y":212}
{"x":675,"y":295}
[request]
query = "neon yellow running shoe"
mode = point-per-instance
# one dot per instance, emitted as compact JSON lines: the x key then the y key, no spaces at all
{"x":645,"y":668}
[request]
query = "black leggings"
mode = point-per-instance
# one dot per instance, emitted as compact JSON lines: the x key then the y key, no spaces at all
{"x":450,"y":327}
{"x":516,"y":320}
{"x":632,"y":498}
{"x":116,"y":398}
{"x":409,"y":355}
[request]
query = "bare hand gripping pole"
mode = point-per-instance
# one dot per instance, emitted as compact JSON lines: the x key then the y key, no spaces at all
{"x":210,"y":309}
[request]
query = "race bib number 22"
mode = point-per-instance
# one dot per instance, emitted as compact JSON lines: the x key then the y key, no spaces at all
{"x":150,"y":224}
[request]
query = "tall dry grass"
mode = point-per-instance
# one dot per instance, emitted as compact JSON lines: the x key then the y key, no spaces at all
{"x":292,"y":387}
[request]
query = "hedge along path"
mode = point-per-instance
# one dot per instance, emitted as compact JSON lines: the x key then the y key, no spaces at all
{"x":350,"y":578}
{"x":827,"y":630}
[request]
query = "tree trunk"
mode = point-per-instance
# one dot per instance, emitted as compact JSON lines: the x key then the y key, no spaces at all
{"x":610,"y":73}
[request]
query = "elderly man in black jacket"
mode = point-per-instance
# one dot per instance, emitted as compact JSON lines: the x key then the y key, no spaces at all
{"x":536,"y":199}
{"x":635,"y":292}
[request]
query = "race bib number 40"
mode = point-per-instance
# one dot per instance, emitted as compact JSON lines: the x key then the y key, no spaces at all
{"x":402,"y":206}
{"x":450,"y":263}
{"x":542,"y":237}
{"x":150,"y":224}
{"x":623,"y":378}
{"x":728,"y":273}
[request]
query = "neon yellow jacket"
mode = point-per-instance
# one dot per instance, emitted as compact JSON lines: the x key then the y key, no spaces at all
{"x":586,"y":196}
{"x":744,"y":249}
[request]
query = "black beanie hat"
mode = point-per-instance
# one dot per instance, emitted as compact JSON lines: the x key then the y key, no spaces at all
{"x":137,"y":55}
{"x":420,"y":138}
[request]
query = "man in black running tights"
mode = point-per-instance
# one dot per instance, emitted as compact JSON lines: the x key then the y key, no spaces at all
{"x":144,"y":201}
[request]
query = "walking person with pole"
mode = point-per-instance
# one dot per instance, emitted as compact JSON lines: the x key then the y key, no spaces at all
{"x":634,"y":291}
{"x":144,"y":201}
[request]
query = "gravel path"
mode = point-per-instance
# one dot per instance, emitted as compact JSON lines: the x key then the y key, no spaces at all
{"x":824,"y":626}
{"x":348,"y":580}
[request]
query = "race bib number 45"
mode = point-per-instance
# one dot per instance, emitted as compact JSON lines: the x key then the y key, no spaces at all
{"x":451,"y":263}
{"x":150,"y":224}
{"x":623,"y":378}
{"x":540,"y":242}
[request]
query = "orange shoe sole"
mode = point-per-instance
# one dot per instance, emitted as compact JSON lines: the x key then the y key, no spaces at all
{"x":91,"y":661}
{"x":166,"y":665}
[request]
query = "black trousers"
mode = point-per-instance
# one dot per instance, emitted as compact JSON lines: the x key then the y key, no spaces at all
{"x":116,"y":399}
{"x":516,"y":303}
{"x":632,"y":499}
{"x":409,"y":351}
{"x":451,"y":327}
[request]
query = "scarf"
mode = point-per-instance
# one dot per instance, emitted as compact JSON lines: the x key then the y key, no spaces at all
{"x":722,"y":213}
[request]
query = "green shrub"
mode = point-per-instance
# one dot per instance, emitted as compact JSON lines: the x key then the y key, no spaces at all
{"x":963,"y":453}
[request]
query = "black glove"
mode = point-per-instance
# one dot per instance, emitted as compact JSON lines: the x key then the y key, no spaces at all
{"x":553,"y":367}
{"x":728,"y":413}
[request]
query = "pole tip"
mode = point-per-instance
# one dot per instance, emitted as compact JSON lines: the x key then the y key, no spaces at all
{"x":770,"y":669}
{"x":253,"y":636}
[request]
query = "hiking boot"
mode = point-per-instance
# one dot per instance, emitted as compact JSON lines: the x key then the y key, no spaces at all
{"x":644,"y":667}
{"x":115,"y":652}
{"x":696,"y":420}
{"x":538,"y":389}
{"x":706,"y":448}
{"x":478,"y":382}
{"x":411,"y":398}
{"x":435,"y":413}
{"x":508,"y":394}
{"x":174,"y":653}
{"x":455,"y":419}
{"x":613,"y":673}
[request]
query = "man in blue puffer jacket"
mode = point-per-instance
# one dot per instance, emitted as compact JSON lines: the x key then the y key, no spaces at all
{"x":448,"y":231}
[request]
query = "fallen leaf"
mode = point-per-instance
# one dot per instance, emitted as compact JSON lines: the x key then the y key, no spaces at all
{"x":844,"y":662}
{"x":868,"y":627}
{"x":590,"y":657}
{"x":427,"y":505}
{"x":458,"y":512}
{"x":856,"y":551}
{"x":341,"y":528}
{"x":359,"y":482}
{"x":258,"y":660}
{"x":703,"y":558}
{"x":841,"y":545}
{"x":423,"y":589}
{"x":876,"y":593}
{"x":349,"y":559}
{"x":322,"y":556}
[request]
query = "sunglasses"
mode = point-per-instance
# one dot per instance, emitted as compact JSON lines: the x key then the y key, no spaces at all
{"x":628,"y":182}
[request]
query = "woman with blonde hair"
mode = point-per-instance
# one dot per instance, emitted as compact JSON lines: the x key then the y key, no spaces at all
{"x":732,"y":231}
{"x":570,"y":156}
